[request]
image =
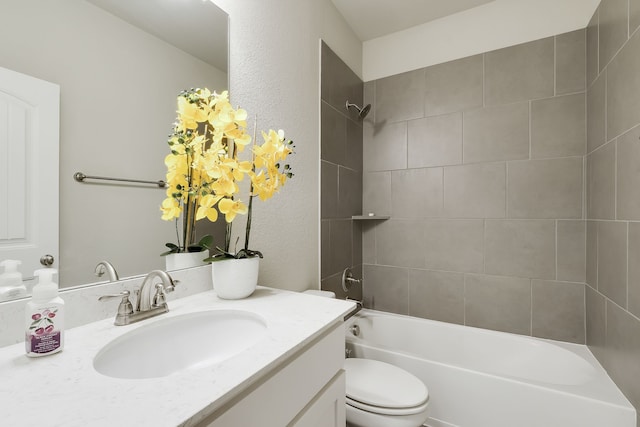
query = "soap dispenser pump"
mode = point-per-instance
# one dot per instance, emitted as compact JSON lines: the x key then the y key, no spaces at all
{"x":44,"y":333}
{"x":11,"y":285}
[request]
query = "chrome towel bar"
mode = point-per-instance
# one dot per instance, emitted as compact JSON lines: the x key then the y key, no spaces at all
{"x":80,"y":177}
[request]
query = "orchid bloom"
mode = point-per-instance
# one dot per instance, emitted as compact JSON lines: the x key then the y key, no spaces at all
{"x":203,"y":168}
{"x":230,"y":208}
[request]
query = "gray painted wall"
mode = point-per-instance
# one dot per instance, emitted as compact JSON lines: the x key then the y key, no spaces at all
{"x":511,"y":179}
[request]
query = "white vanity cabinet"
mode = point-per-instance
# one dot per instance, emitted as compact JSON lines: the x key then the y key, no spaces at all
{"x":291,"y":377}
{"x":306,"y":389}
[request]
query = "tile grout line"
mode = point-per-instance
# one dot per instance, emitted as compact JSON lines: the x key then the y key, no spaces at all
{"x":606,"y":326}
{"x":506,"y":190}
{"x":555,"y":65}
{"x":442,"y":212}
{"x":484,"y":251}
{"x":531,"y":307}
{"x":627,"y":272}
{"x":464,"y":299}
{"x":556,"y":248}
{"x":484,"y":78}
{"x":606,"y":124}
{"x":584,"y":296}
{"x":408,"y":292}
{"x":597,"y":231}
{"x":375,"y":241}
{"x":406,"y":143}
{"x":462,"y":136}
{"x":615,"y":179}
{"x":529,"y":125}
{"x":597,"y":44}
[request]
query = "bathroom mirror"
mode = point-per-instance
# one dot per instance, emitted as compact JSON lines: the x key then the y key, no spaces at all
{"x":120,"y":66}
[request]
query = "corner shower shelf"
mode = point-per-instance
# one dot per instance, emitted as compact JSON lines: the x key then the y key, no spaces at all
{"x":370,"y":217}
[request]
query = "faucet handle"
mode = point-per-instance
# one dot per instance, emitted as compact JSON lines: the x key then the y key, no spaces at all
{"x":348,"y":280}
{"x":159,"y":298}
{"x":125,"y":308}
{"x":124,"y":295}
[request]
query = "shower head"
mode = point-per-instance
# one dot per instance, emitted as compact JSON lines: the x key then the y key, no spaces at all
{"x":362,"y":112}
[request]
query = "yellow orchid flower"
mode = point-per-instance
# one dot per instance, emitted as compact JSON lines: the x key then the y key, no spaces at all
{"x":189,"y":114}
{"x":241,"y":169}
{"x":245,"y":166}
{"x":230,"y":208}
{"x":170,"y":209}
{"x":209,"y":200}
{"x":203,"y":169}
{"x":225,"y":186}
{"x":207,"y":209}
{"x":204,"y":94}
{"x":210,"y":213}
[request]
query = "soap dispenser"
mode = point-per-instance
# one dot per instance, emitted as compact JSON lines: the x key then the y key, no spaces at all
{"x":44,"y":317}
{"x":11,"y":285}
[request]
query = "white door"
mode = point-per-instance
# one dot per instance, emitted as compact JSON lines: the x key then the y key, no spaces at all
{"x":29,"y":140}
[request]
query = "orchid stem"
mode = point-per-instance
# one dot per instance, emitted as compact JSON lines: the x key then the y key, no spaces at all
{"x":253,"y":169}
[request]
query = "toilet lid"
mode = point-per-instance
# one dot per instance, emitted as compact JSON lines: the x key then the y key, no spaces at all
{"x":383,"y":385}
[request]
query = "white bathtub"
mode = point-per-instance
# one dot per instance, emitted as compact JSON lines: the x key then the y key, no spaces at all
{"x":482,"y":378}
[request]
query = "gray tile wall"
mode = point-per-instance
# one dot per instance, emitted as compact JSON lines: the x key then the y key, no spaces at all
{"x":613,"y":199}
{"x":488,"y":167}
{"x":480,"y":164}
{"x":341,"y":173}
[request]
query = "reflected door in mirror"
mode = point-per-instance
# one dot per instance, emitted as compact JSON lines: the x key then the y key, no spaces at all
{"x":29,"y":140}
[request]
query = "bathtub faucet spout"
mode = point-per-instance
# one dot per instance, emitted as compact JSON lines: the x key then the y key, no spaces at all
{"x":359,"y":307}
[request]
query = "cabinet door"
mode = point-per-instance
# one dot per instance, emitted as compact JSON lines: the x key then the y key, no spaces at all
{"x":327,"y":409}
{"x":290,"y":390}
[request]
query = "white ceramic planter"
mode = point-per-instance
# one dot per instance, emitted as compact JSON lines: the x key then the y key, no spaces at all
{"x":235,"y":278}
{"x":185,"y":260}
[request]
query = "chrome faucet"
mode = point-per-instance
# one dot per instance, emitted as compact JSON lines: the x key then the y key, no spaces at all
{"x":106,"y":266}
{"x":145,"y":301}
{"x":147,"y":304}
{"x":347,"y":282}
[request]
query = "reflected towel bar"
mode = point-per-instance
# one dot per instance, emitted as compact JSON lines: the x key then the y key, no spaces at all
{"x":80,"y":177}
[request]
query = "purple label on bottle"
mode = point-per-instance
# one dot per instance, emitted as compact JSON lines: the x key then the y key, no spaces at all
{"x":44,"y":343}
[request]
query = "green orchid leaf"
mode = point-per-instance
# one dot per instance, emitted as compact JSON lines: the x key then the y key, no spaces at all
{"x":248,"y":253}
{"x":173,"y":249}
{"x":206,"y":241}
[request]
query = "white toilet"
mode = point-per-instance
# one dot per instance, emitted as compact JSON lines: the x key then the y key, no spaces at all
{"x":380,"y":394}
{"x":383,"y":395}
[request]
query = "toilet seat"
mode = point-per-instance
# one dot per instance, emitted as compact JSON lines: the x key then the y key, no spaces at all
{"x":387,"y":411}
{"x":382,"y":388}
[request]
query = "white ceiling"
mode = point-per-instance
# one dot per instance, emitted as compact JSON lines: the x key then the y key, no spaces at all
{"x":370,"y":19}
{"x":195,"y":26}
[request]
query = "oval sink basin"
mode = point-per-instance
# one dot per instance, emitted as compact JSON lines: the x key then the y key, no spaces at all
{"x":182,"y":342}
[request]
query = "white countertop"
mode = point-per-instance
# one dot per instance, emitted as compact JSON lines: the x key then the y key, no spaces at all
{"x":64,"y":389}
